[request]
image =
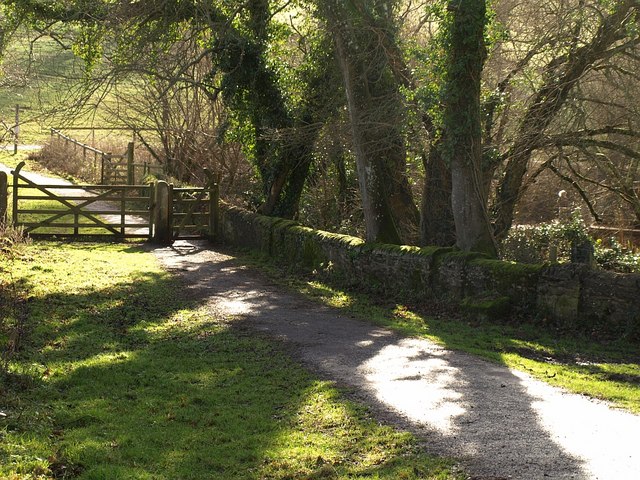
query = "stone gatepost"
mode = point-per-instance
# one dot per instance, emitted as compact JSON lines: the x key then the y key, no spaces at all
{"x":162,"y":213}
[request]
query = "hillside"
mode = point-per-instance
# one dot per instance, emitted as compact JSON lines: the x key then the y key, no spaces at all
{"x":45,"y":79}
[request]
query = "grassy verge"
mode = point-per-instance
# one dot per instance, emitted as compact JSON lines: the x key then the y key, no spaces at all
{"x":605,"y":370}
{"x":120,"y":376}
{"x":10,"y":160}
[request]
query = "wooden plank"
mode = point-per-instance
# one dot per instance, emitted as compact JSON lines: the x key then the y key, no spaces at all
{"x":77,"y":198}
{"x":97,"y":212}
{"x":72,"y":207}
{"x":4,"y":193}
{"x":86,"y":235}
{"x":123,"y":215}
{"x":84,"y":187}
{"x":16,"y":177}
{"x":80,"y":225}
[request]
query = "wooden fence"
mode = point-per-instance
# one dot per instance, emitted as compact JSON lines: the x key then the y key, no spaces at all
{"x":114,"y":169}
{"x":46,"y":210}
{"x":627,"y":237}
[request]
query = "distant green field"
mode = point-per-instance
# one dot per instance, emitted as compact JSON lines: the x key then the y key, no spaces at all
{"x":43,"y":78}
{"x":34,"y":75}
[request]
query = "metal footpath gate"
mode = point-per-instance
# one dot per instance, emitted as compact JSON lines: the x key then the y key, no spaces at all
{"x":155,"y":212}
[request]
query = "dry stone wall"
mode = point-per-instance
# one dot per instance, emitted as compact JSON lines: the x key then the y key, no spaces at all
{"x":590,"y":301}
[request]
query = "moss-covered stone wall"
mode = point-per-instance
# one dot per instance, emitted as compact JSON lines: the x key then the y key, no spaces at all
{"x":594,"y":302}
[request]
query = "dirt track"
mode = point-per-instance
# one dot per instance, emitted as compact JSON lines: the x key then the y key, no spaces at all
{"x":500,"y":423}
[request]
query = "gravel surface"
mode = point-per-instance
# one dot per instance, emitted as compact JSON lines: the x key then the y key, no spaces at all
{"x":500,"y":423}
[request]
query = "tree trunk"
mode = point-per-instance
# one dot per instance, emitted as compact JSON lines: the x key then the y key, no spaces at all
{"x":463,"y":133}
{"x":562,"y":74}
{"x":375,"y":112}
{"x":436,"y":223}
{"x":379,"y":221}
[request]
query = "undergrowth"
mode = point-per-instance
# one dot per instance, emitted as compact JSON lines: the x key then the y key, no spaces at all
{"x":555,"y":242}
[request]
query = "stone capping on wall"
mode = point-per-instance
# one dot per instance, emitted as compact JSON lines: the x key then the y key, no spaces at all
{"x":590,"y":301}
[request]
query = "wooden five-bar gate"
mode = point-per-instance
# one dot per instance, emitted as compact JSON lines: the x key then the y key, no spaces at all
{"x":156,"y":212}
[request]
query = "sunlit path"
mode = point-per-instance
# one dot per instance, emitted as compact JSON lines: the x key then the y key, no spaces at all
{"x":501,"y":423}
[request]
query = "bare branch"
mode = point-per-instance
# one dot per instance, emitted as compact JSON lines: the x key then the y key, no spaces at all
{"x":576,"y":186}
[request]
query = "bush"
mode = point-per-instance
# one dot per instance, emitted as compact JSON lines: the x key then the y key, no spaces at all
{"x":615,"y":257}
{"x":553,"y":242}
{"x":64,"y":160}
{"x":546,"y":242}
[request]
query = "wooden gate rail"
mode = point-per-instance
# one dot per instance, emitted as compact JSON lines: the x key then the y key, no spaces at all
{"x":157,"y":212}
{"x":194,"y":211}
{"x":80,"y":202}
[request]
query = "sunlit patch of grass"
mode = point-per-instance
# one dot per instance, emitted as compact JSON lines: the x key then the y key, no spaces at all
{"x":121,"y":376}
{"x":8,"y":158}
{"x":332,"y":297}
{"x":329,"y":441}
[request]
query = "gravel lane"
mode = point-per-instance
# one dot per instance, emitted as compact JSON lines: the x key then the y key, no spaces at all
{"x":500,"y":423}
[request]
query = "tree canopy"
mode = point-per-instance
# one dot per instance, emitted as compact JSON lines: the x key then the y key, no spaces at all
{"x":457,"y":106}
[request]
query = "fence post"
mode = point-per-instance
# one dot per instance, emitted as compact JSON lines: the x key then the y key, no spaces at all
{"x":152,"y":209}
{"x":131,"y":174}
{"x":106,"y":173}
{"x":16,"y":130}
{"x":4,"y":197}
{"x":214,"y":212}
{"x":162,"y":213}
{"x":102,"y":170}
{"x":16,"y":183}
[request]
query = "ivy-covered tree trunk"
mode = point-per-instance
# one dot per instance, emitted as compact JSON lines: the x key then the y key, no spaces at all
{"x":283,"y":138}
{"x":436,"y":216}
{"x":462,"y":127}
{"x":376,"y":117}
{"x":251,"y":89}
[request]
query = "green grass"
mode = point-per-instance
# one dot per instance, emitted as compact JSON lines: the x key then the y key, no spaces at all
{"x":10,"y":160}
{"x":38,"y":83}
{"x":607,"y":370}
{"x":120,"y":376}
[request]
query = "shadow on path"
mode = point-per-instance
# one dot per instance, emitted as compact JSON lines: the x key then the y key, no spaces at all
{"x":500,"y":423}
